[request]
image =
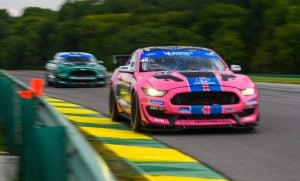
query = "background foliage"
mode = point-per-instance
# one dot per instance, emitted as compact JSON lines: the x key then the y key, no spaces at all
{"x":262,"y":36}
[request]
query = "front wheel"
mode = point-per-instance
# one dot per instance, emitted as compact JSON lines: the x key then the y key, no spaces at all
{"x":57,"y":84}
{"x":136,"y":122}
{"x":113,"y":110}
{"x":48,"y":82}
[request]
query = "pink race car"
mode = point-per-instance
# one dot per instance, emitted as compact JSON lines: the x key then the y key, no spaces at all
{"x":182,"y":87}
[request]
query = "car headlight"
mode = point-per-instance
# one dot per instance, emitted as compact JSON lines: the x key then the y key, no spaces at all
{"x":102,"y":71}
{"x":154,"y":92}
{"x":248,"y":91}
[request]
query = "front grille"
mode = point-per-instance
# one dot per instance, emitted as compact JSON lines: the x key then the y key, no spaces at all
{"x":70,"y":81}
{"x":205,"y":98}
{"x":80,"y":63}
{"x":82,"y":73}
{"x":247,"y":112}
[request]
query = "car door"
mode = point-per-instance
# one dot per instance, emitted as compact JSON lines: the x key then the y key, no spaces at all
{"x":125,"y":82}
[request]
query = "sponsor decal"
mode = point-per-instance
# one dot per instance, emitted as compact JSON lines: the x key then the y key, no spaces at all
{"x":204,"y":81}
{"x":206,"y":110}
{"x":181,"y":53}
{"x":160,"y":121}
{"x":198,"y":84}
{"x":184,"y":110}
{"x":145,"y":60}
{"x":200,"y":81}
{"x":150,"y":54}
{"x":155,"y":102}
{"x":162,"y":53}
{"x":228,"y":109}
{"x":252,"y":102}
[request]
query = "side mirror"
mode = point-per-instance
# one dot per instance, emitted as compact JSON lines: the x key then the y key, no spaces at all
{"x":125,"y":69}
{"x":51,"y":64}
{"x":235,"y":68}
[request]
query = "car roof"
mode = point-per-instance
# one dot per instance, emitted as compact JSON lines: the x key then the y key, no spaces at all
{"x":62,"y":55}
{"x":175,"y":48}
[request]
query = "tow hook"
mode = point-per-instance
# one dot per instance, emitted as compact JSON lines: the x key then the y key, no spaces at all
{"x":173,"y":120}
{"x":238,"y":120}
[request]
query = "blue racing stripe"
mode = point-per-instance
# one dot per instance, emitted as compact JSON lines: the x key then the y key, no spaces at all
{"x":194,"y":88}
{"x":197,"y":110}
{"x":217,"y":109}
{"x":214,"y":84}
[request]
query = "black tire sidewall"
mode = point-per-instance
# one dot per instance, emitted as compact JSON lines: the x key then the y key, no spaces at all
{"x":136,"y":115}
{"x":113,"y":111}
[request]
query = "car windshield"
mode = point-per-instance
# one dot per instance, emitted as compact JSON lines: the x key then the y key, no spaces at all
{"x":167,"y":60}
{"x":79,"y":59}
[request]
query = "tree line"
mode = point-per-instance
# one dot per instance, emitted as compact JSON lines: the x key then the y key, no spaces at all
{"x":262,"y":36}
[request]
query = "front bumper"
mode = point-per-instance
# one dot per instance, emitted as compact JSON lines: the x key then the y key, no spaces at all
{"x":78,"y":75}
{"x":161,"y":112}
{"x":65,"y":79}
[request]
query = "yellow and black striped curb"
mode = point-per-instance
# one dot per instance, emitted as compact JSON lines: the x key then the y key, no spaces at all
{"x":152,"y":159}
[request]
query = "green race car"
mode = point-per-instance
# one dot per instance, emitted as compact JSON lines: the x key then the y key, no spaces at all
{"x":75,"y":68}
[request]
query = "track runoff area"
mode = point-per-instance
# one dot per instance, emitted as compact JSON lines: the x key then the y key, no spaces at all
{"x":150,"y":159}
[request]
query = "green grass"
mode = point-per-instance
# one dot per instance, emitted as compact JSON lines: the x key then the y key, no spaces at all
{"x":284,"y":80}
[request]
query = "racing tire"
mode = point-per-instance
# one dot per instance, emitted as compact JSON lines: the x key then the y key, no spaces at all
{"x":136,"y":122}
{"x":113,"y":110}
{"x":48,"y":82}
{"x":56,"y":84}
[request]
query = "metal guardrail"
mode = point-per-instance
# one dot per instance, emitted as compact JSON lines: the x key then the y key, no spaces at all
{"x":50,"y":147}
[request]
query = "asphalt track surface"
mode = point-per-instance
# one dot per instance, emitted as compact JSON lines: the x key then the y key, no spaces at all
{"x":271,"y":153}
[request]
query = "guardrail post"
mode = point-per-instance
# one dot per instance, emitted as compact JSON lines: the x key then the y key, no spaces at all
{"x":27,"y":153}
{"x":51,"y":154}
{"x":6,"y":95}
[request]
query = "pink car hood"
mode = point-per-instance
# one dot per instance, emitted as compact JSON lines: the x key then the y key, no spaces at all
{"x":174,"y":79}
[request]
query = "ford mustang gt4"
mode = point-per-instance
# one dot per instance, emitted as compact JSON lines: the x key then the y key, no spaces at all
{"x":182,"y":87}
{"x":75,"y":68}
